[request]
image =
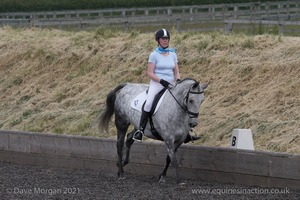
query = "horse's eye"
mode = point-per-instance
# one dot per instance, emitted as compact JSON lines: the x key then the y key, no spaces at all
{"x":191,"y":101}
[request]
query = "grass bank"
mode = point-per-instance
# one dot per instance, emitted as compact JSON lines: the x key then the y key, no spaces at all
{"x":57,"y":81}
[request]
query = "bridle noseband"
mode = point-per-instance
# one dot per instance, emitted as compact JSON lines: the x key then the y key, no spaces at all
{"x":186,"y":98}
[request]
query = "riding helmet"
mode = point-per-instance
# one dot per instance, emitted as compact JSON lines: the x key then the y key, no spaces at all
{"x":162,"y":33}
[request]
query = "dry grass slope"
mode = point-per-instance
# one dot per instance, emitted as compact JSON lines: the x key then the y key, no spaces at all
{"x":56,"y":81}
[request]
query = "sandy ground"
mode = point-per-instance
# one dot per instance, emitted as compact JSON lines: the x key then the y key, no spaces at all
{"x":36,"y":182}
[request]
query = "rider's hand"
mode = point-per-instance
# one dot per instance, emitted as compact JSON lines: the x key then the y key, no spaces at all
{"x":164,"y":83}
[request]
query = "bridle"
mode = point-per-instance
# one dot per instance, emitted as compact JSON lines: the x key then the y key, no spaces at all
{"x":186,"y":98}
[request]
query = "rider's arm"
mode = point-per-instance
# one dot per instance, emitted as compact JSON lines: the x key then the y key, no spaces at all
{"x":176,"y":72}
{"x":150,"y":72}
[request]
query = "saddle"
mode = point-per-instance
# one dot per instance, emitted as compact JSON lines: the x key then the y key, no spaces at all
{"x":139,"y":102}
{"x":157,"y":97}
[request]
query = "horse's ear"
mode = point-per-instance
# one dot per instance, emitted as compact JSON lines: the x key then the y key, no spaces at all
{"x":195,"y":84}
{"x":204,"y":85}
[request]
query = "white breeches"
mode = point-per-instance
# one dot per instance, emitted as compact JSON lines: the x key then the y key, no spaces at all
{"x":154,"y":89}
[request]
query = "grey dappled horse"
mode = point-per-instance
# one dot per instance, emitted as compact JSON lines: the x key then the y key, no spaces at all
{"x":176,"y":116}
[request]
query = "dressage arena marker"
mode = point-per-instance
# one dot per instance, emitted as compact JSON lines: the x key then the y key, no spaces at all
{"x":242,"y":139}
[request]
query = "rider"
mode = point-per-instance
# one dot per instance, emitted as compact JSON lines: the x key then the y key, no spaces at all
{"x":162,"y":70}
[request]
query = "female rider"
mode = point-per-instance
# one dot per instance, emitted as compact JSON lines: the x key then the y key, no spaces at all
{"x":162,"y":70}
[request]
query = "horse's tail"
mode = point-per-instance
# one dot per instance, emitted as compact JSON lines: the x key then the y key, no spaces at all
{"x":106,"y":114}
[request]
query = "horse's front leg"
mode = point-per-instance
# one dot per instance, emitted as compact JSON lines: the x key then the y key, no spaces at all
{"x":171,"y":158}
{"x":162,"y":176}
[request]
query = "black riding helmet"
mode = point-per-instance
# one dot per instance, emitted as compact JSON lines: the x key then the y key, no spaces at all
{"x":162,"y":33}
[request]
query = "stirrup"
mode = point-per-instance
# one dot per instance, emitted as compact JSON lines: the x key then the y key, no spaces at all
{"x":135,"y":134}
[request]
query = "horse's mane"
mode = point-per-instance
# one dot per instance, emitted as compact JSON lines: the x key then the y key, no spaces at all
{"x":187,"y":79}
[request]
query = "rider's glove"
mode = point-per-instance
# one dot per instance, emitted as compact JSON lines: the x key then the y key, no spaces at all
{"x":164,"y":83}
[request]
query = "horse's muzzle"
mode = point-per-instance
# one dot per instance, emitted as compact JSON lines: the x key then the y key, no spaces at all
{"x":193,"y":122}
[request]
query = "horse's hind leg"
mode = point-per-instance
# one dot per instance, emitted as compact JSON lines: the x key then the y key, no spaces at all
{"x":129,"y":142}
{"x":120,"y":144}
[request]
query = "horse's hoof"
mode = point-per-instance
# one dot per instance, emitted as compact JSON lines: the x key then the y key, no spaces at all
{"x":181,"y":184}
{"x":162,"y":180}
{"x":121,"y":178}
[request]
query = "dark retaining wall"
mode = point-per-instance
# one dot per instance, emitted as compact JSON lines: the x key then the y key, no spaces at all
{"x":267,"y":169}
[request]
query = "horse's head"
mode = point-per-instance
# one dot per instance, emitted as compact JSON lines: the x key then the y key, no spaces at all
{"x":193,"y":97}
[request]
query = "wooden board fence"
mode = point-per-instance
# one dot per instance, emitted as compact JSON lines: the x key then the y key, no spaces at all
{"x":175,"y":16}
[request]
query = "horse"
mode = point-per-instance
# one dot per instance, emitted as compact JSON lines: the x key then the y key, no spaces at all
{"x":174,"y":119}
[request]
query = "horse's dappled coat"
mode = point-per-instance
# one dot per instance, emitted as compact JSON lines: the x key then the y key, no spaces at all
{"x":174,"y":119}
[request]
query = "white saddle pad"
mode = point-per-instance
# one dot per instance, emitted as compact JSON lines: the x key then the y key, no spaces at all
{"x":140,"y":99}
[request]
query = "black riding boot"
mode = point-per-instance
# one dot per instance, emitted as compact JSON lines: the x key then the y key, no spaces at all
{"x":138,"y":135}
{"x":191,"y":138}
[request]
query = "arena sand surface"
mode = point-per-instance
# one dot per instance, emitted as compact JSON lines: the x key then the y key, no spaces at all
{"x":37,"y":182}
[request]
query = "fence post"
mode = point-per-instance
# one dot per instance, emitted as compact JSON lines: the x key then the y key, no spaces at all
{"x":126,"y":26}
{"x":178,"y":25}
{"x":255,"y":7}
{"x":228,"y":27}
{"x":146,"y":12}
{"x":224,"y":10}
{"x":288,"y":8}
{"x":236,"y":9}
{"x":212,"y":12}
{"x":267,"y":8}
{"x":169,"y":12}
{"x":280,"y":27}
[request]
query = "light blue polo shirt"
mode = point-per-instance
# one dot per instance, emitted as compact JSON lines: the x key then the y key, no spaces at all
{"x":164,"y":65}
